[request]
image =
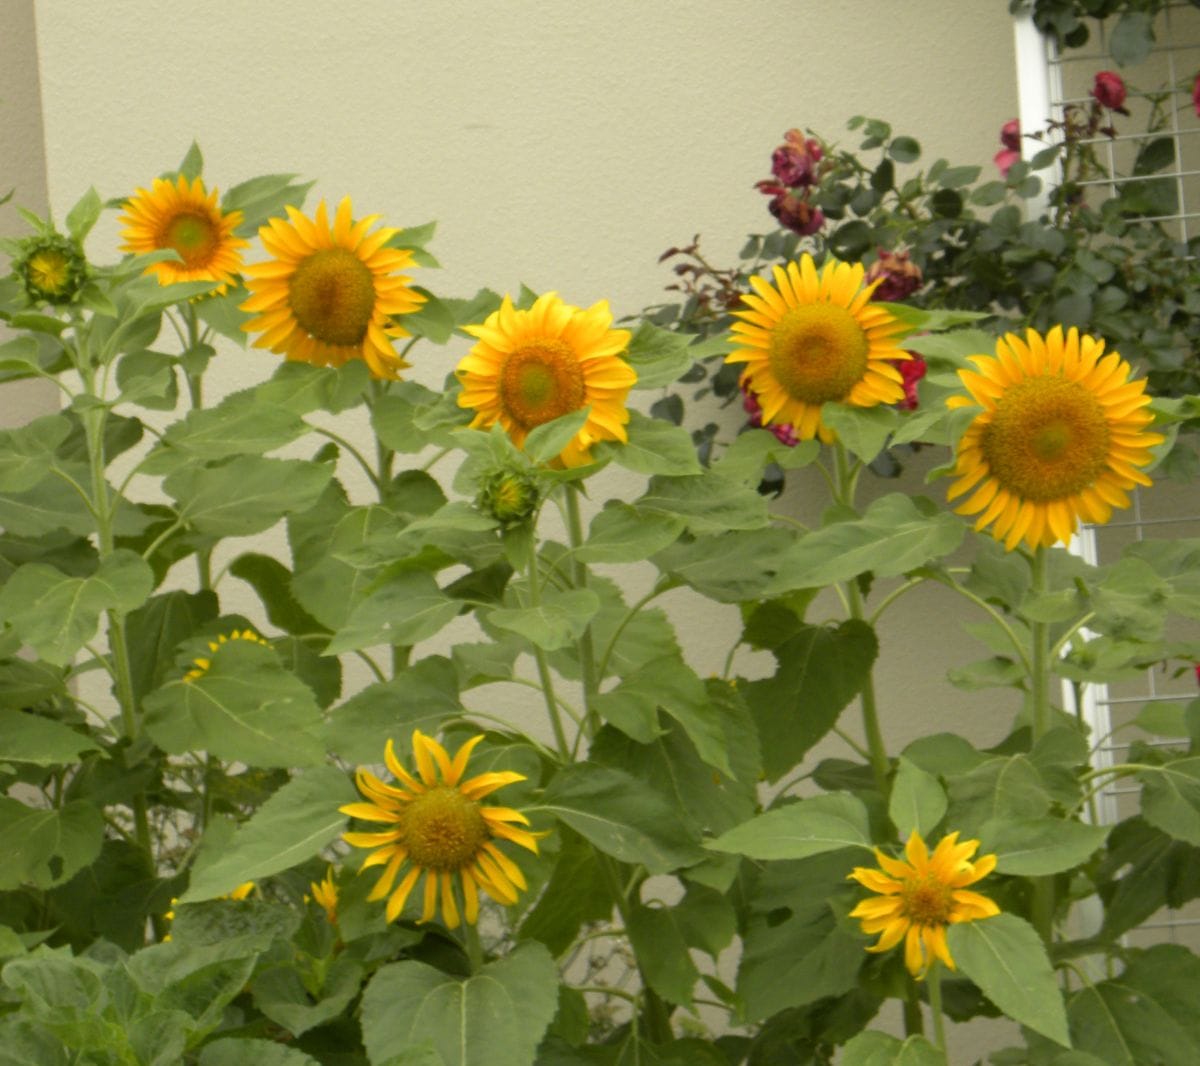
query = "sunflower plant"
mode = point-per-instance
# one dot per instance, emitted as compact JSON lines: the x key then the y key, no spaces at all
{"x":317,"y":751}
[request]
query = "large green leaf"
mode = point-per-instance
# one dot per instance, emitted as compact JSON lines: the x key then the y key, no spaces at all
{"x":620,"y":533}
{"x":27,"y":453}
{"x":654,"y":447}
{"x":1170,"y":797}
{"x":576,"y":893}
{"x":917,"y":802}
{"x":622,"y":816}
{"x":879,"y":1049}
{"x":821,"y":669}
{"x":658,"y":355}
{"x":896,"y":534}
{"x":828,"y":822}
{"x":157,"y":628}
{"x":708,"y":502}
{"x":30,"y":738}
{"x":728,"y":567}
{"x":46,"y":847}
{"x":1006,"y":958}
{"x":558,"y":620}
{"x":56,"y":614}
{"x":657,"y":937}
{"x":494,"y":1018}
{"x":246,"y":494}
{"x":407,"y":609}
{"x":293,"y":825}
{"x":241,"y":1051}
{"x":243,"y":708}
{"x":1034,"y":847}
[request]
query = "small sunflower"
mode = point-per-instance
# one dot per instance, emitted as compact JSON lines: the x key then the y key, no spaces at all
{"x":917,"y":899}
{"x":325,"y":893}
{"x":439,"y":828}
{"x":181,"y":215}
{"x":330,"y":293}
{"x":813,"y":338}
{"x":51,"y":267}
{"x":200,"y":666}
{"x":1061,"y":436}
{"x":531,"y":367}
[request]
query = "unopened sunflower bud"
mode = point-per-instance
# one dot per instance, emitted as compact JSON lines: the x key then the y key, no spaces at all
{"x":508,"y":496}
{"x":51,"y":267}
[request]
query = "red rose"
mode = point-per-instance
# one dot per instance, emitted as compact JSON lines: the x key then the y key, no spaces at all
{"x":897,"y":275}
{"x":1004,"y":159}
{"x":1109,"y":90}
{"x":1196,"y":95}
{"x":1010,"y":135}
{"x":796,"y":214}
{"x":795,"y":163}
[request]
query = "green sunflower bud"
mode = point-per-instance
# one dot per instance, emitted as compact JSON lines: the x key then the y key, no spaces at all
{"x":508,"y":496}
{"x":51,"y":267}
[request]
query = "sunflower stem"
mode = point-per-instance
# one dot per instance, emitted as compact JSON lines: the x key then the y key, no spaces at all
{"x":1042,"y":904}
{"x":579,"y":578}
{"x":194,"y":381}
{"x":880,"y":763}
{"x":539,"y":656}
{"x":934,"y":981}
{"x":473,"y":945}
{"x":914,"y":1020}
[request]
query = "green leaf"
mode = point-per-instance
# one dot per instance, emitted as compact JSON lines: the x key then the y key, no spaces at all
{"x":247,"y":494}
{"x":728,"y":567}
{"x":918,"y":801}
{"x":622,"y":816}
{"x":897,"y":533}
{"x":1132,"y":38}
{"x":272,"y":581}
{"x":243,"y":708}
{"x":241,"y":1051}
{"x":904,"y":150}
{"x":292,"y":826}
{"x":433,"y":320}
{"x":29,"y":738}
{"x":546,"y":441}
{"x":823,"y":823}
{"x":494,"y":1018}
{"x":260,"y":198}
{"x":157,"y":628}
{"x":878,"y":1049}
{"x":708,"y":502}
{"x":280,"y":993}
{"x":56,"y":614}
{"x":654,"y":447}
{"x":557,"y":621}
{"x":84,"y":215}
{"x":1039,"y":846}
{"x":1000,"y":789}
{"x":658,"y":355}
{"x":1005,"y":957}
{"x":47,"y":847}
{"x":620,"y":533}
{"x":575,"y":894}
{"x":662,"y":951}
{"x":408,"y":609}
{"x":863,"y":430}
{"x":27,"y":453}
{"x":1170,"y":797}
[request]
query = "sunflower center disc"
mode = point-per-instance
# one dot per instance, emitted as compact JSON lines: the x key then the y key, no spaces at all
{"x":540,"y":382}
{"x":443,"y":829}
{"x":927,"y":901}
{"x":332,"y":295}
{"x":48,"y":271}
{"x":193,"y":236}
{"x":818,"y":352}
{"x":1048,"y":439}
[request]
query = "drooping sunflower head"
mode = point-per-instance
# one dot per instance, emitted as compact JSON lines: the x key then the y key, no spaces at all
{"x":200,"y":665}
{"x":1061,"y":435}
{"x":918,"y":896}
{"x":814,"y":337}
{"x":532,"y":366}
{"x":438,"y":826}
{"x":183,"y":216}
{"x":51,"y":267}
{"x":331,"y":292}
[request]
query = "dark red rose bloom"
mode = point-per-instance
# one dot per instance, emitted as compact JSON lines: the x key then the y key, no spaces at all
{"x":1010,"y":135}
{"x":1109,"y":90}
{"x":897,"y":275}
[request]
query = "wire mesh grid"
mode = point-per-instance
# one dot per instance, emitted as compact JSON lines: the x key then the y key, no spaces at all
{"x":1160,"y":98}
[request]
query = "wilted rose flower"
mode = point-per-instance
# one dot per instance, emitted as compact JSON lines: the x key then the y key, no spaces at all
{"x":1010,"y":135}
{"x":912,"y":370}
{"x":897,"y":275}
{"x":797,"y":215}
{"x":795,"y":162}
{"x":1109,"y":90}
{"x":1196,"y":95}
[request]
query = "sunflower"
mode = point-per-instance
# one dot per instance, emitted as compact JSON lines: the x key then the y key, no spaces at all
{"x":51,"y":267}
{"x":439,"y":828}
{"x":200,"y":666}
{"x":325,"y":893}
{"x":1060,"y":437}
{"x":813,"y":338}
{"x":530,"y":367}
{"x":181,"y":215}
{"x":917,"y":899}
{"x":330,"y":292}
